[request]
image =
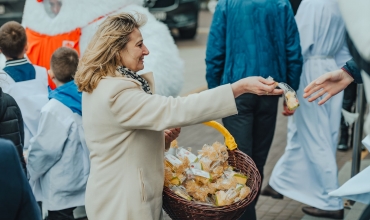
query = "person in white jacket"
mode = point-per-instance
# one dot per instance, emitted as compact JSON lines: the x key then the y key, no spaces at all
{"x":58,"y":155}
{"x":25,"y":82}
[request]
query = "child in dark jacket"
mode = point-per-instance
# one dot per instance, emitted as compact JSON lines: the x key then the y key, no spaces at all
{"x":11,"y":124}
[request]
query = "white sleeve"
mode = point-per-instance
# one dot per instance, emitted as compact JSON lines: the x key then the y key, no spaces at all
{"x":342,"y":56}
{"x":46,"y":146}
{"x":356,"y":17}
{"x":5,"y":81}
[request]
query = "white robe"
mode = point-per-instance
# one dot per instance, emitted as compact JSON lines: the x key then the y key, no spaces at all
{"x":31,"y":96}
{"x":59,"y":157}
{"x":358,"y":187}
{"x":307,"y":171}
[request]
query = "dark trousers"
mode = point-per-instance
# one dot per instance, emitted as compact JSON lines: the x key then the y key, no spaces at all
{"x":349,"y":98}
{"x":253,"y":129}
{"x":366,"y":214}
{"x":65,"y":214}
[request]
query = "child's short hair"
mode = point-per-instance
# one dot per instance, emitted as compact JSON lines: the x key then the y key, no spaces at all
{"x":64,"y":62}
{"x":13,"y":39}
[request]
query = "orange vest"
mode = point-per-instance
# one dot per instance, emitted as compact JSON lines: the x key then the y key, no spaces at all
{"x":42,"y":46}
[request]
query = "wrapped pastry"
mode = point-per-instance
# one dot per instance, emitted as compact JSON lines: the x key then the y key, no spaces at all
{"x":244,"y":192}
{"x":196,"y":165}
{"x":240,"y":178}
{"x":206,"y":163}
{"x":217,"y":171}
{"x":221,"y":149}
{"x":220,"y":198}
{"x":172,"y":161}
{"x":291,"y":100}
{"x":185,"y":163}
{"x":173,"y":148}
{"x":182,"y":153}
{"x":198,"y":192}
{"x":290,"y":95}
{"x":181,"y":191}
{"x":231,"y":195}
{"x":201,"y":177}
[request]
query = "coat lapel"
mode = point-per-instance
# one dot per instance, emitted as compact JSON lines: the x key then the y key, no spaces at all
{"x":150,"y":79}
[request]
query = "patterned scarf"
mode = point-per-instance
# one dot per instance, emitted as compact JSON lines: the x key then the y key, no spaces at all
{"x":133,"y":75}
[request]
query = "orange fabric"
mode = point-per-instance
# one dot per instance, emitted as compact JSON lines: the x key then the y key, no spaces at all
{"x":42,"y":46}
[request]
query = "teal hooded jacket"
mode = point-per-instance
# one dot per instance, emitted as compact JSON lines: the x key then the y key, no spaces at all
{"x":253,"y":38}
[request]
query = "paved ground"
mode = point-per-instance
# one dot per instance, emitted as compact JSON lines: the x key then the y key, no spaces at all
{"x":193,"y":52}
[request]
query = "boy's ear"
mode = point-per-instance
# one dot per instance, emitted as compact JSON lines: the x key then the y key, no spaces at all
{"x":25,"y":48}
{"x":51,"y":74}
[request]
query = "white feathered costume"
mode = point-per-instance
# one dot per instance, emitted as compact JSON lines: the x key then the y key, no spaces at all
{"x":163,"y":61}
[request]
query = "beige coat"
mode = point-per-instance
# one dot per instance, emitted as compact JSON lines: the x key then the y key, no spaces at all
{"x":124,"y":133}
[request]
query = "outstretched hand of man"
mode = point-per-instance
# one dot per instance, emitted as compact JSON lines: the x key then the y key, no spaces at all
{"x":331,"y":83}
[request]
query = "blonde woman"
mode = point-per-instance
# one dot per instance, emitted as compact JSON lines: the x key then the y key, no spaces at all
{"x":124,"y":120}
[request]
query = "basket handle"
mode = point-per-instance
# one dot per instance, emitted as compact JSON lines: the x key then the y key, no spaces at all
{"x":229,"y":139}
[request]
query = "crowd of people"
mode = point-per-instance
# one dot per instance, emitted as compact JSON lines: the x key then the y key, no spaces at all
{"x":97,"y":139}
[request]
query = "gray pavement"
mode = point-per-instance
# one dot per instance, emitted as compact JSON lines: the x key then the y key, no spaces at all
{"x":193,"y":53}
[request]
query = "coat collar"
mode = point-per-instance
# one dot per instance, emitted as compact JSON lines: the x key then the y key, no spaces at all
{"x":149,"y":77}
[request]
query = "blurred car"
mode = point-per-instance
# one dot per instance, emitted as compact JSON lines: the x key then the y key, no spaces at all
{"x":11,"y":10}
{"x":176,"y":14}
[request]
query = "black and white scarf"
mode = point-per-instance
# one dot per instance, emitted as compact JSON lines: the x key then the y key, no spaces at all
{"x":133,"y":75}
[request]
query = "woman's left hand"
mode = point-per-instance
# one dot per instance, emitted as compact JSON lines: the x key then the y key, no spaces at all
{"x":171,"y":134}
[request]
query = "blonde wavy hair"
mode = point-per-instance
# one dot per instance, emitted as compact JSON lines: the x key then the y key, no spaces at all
{"x":101,"y":57}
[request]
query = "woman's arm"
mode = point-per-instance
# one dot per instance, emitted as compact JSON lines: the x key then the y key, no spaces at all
{"x":135,"y":109}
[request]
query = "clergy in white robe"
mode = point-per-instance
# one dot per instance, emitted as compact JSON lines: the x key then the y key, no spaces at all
{"x":307,"y":171}
{"x":28,"y":85}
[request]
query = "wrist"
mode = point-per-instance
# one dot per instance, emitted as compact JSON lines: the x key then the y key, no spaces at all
{"x":237,"y":88}
{"x":347,"y":76}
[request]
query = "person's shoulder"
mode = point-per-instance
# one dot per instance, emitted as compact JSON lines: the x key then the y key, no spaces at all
{"x":8,"y":99}
{"x":7,"y":148}
{"x":115,"y":85}
{"x":53,"y":106}
{"x":56,"y":111}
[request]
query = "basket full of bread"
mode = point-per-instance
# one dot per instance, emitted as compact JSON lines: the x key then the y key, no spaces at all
{"x":217,"y":182}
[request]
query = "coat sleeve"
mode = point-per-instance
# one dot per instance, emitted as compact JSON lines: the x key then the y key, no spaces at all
{"x":356,"y":17}
{"x":21,"y":132}
{"x":216,"y":46}
{"x":293,"y":50}
{"x":47,"y":145}
{"x":351,"y":68}
{"x":134,"y":109}
{"x":16,"y":197}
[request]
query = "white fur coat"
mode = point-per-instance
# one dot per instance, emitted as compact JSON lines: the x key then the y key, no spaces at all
{"x":164,"y":60}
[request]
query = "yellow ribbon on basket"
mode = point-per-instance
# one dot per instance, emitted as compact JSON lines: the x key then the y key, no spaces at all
{"x":229,"y":139}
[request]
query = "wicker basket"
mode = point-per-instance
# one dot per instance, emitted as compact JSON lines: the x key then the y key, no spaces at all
{"x":178,"y":208}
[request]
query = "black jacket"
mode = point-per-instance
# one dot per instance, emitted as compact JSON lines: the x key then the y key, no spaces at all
{"x":11,"y":124}
{"x":17,"y":201}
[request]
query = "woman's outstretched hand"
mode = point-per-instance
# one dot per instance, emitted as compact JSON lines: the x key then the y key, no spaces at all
{"x":255,"y":85}
{"x":331,"y":83}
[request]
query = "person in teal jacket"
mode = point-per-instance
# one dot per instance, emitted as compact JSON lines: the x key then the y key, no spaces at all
{"x":253,"y":38}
